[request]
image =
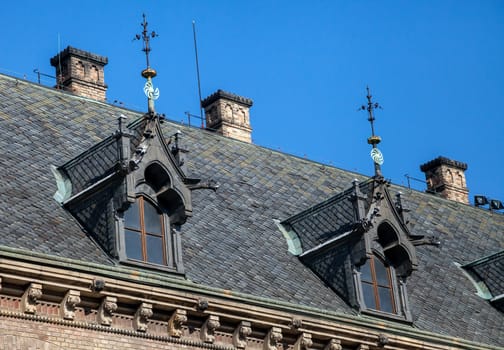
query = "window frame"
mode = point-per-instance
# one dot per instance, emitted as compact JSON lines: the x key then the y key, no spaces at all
{"x":375,"y":284}
{"x":144,"y":233}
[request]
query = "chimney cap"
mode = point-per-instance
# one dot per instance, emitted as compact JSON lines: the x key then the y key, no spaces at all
{"x":226,"y":95}
{"x":442,"y":161}
{"x":72,"y":51}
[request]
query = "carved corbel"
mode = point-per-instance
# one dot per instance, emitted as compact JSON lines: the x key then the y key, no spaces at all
{"x":272,"y":339}
{"x":106,"y":310}
{"x":142,"y":315}
{"x":30,"y":297}
{"x":241,"y":333}
{"x":67,"y":306}
{"x":303,"y":342}
{"x":363,"y":347}
{"x":334,"y":344}
{"x":207,"y":333}
{"x":177,"y":320}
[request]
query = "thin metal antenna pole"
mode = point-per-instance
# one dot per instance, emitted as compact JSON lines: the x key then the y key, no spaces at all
{"x":59,"y":78}
{"x":198,"y":72}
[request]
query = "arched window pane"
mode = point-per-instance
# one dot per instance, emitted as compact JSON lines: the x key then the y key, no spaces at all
{"x":154,"y":249}
{"x":133,"y":245}
{"x":366,"y":272}
{"x":382,"y":276}
{"x":132,"y":217}
{"x":152,"y":219}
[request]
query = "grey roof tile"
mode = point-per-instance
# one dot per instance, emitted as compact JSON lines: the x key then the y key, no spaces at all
{"x":231,"y":241}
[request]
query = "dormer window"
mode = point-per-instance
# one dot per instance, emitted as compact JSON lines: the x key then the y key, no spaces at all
{"x":377,"y":287}
{"x":144,"y":232}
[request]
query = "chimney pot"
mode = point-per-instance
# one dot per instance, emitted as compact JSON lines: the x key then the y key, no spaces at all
{"x":447,"y":177}
{"x":228,"y":114}
{"x":81,"y":72}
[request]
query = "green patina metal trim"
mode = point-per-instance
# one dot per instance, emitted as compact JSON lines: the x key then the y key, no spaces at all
{"x":161,"y":280}
{"x":292,"y":239}
{"x":481,"y":288}
{"x":64,"y":186}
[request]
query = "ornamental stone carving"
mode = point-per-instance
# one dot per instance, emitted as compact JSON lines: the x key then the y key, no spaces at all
{"x":177,"y":320}
{"x":106,"y":310}
{"x":207,"y":333}
{"x":304,"y":342}
{"x":202,"y":304}
{"x":273,"y":338}
{"x":30,"y":297}
{"x":334,"y":344}
{"x":142,"y":315}
{"x":67,"y":306}
{"x":241,"y":333}
{"x":363,"y":347}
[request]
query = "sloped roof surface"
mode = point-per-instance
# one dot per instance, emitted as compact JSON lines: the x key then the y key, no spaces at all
{"x":231,"y":241}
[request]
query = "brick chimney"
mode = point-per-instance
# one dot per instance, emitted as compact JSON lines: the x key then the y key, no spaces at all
{"x":228,"y":114}
{"x":81,"y":72}
{"x":446,"y":177}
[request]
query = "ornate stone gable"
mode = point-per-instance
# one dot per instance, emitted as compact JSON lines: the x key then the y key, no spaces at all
{"x":343,"y":233}
{"x":99,"y":185}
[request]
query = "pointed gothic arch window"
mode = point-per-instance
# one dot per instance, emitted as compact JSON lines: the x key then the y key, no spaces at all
{"x":144,"y":232}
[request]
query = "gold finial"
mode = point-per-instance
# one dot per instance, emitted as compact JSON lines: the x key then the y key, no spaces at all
{"x":148,"y":73}
{"x":373,"y":140}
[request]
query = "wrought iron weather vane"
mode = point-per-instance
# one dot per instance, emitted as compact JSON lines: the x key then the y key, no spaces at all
{"x":148,"y":73}
{"x":373,"y":140}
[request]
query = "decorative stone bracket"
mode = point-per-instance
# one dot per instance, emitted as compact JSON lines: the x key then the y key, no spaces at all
{"x":207,"y":333}
{"x":106,"y":310}
{"x":30,"y":297}
{"x":272,"y":339}
{"x":177,"y":320}
{"x":142,"y":315}
{"x":334,"y":344}
{"x":303,"y":342}
{"x":67,"y":306}
{"x":241,"y":333}
{"x":363,"y":347}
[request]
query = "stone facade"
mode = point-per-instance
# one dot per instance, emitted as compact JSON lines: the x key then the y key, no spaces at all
{"x":81,"y":72}
{"x":447,"y":177}
{"x":228,"y":114}
{"x":127,"y":314}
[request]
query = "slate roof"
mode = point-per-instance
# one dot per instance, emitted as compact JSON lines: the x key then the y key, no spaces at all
{"x":232,"y":241}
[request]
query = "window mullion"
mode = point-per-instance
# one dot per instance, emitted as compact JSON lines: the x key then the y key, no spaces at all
{"x":142,"y":228}
{"x":375,"y":284}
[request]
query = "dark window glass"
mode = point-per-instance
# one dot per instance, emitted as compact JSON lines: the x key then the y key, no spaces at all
{"x":154,"y":249}
{"x":382,"y":276}
{"x":132,"y":217}
{"x":133,"y":244}
{"x":144,"y":233}
{"x":366,"y":272}
{"x":369,"y":296}
{"x":385,"y":299}
{"x":377,"y":285}
{"x":152,"y":219}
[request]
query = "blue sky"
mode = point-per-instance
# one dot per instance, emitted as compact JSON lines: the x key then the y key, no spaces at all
{"x":436,"y":67}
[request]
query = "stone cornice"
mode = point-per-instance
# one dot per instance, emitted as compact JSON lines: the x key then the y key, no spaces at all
{"x":442,"y":161}
{"x":72,"y":51}
{"x":169,"y":294}
{"x":227,"y":96}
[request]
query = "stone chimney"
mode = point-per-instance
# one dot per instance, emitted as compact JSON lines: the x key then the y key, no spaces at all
{"x":446,"y":177}
{"x":81,"y":72}
{"x":228,"y":115}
